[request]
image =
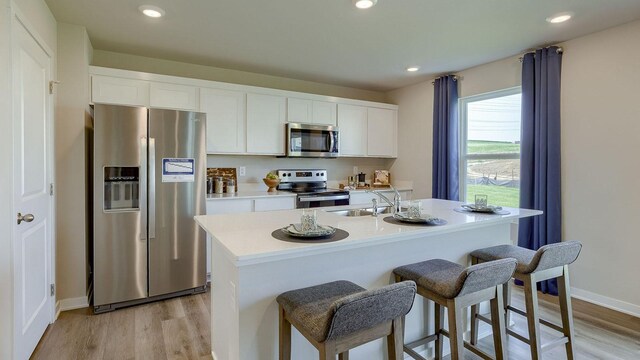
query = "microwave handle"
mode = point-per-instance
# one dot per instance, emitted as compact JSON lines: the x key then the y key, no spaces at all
{"x":331,"y":141}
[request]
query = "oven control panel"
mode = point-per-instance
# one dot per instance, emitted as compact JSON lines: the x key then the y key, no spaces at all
{"x":302,"y":175}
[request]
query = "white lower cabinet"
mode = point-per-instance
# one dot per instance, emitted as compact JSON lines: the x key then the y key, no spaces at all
{"x":279,"y":203}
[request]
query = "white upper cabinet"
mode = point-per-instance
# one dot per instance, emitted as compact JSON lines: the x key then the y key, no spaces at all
{"x":325,"y":113}
{"x":352,"y":121}
{"x":115,"y":90}
{"x":266,"y":116}
{"x":382,"y":132}
{"x":311,"y":112}
{"x":225,"y":120}
{"x":173,"y":96}
{"x":299,"y":111}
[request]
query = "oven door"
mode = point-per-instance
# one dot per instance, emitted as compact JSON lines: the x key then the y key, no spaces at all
{"x":304,"y":140}
{"x":312,"y":201}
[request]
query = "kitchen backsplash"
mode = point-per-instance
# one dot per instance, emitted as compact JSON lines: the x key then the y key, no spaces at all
{"x":258,"y":166}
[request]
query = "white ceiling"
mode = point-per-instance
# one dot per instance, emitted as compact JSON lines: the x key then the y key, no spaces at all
{"x":331,"y":41}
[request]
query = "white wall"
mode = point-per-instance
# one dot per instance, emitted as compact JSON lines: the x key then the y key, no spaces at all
{"x":72,"y":115}
{"x":168,"y":67}
{"x":337,"y":169}
{"x":600,"y":158}
{"x":601,"y":163}
{"x":415,"y":136}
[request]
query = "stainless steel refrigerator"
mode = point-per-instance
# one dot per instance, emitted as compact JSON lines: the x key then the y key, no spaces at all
{"x":149,"y":170}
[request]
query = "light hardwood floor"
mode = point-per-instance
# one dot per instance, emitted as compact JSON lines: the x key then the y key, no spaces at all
{"x":179,"y":329}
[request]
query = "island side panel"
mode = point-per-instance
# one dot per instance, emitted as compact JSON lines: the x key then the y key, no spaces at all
{"x":371,"y":266}
{"x":225,"y":339}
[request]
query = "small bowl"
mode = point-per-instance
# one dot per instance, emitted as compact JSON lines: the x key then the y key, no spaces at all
{"x":271,"y":183}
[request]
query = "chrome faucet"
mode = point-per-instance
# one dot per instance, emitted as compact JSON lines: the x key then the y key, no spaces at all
{"x":396,"y":199}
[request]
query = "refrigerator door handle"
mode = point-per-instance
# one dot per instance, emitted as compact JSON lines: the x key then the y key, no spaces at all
{"x":143,"y":188}
{"x":152,"y":188}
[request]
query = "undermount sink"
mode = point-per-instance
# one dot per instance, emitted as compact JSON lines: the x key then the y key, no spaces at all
{"x":362,"y":211}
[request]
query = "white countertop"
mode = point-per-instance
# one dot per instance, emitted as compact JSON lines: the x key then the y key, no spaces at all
{"x":246,"y":237}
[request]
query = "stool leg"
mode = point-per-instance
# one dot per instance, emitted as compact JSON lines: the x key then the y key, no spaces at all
{"x":284,"y":336}
{"x":456,"y":328}
{"x":497,"y":323}
{"x":395,"y":340}
{"x":506,"y":300}
{"x":439,"y":319}
{"x":327,"y":350}
{"x":344,"y":355}
{"x":474,"y":314}
{"x":533,"y":321}
{"x":564,"y":294}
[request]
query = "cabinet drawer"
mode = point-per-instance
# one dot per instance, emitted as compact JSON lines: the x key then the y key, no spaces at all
{"x":230,"y":206}
{"x":280,"y":203}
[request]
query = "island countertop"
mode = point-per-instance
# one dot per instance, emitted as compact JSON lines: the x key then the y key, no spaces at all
{"x":246,"y":238}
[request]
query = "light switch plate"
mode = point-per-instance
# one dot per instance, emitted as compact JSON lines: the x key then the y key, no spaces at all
{"x":242,"y":171}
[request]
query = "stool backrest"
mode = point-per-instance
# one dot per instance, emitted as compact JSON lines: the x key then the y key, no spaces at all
{"x":485,"y":275}
{"x":367,"y":309}
{"x":558,"y":254}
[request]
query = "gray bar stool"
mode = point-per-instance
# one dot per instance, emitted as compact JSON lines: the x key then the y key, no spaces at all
{"x":548,"y":262}
{"x":338,"y":316}
{"x":455,"y":287}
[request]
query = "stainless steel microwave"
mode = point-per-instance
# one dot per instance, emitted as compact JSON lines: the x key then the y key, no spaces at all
{"x":307,"y":140}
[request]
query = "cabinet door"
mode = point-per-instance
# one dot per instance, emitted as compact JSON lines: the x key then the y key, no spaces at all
{"x":265,"y":124}
{"x":381,"y":132}
{"x":172,"y":96}
{"x":362,"y":198}
{"x":225,"y":120}
{"x":119,"y":91}
{"x":352,"y":121}
{"x":299,"y":111}
{"x":324,"y":113}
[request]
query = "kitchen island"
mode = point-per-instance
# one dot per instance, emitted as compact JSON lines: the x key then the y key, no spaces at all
{"x":250,"y":268}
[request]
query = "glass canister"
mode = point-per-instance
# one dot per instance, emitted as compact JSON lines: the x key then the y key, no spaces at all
{"x":231,"y":186}
{"x":218,"y":184}
{"x":210,"y":186}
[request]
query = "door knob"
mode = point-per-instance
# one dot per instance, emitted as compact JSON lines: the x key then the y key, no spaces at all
{"x":25,"y":218}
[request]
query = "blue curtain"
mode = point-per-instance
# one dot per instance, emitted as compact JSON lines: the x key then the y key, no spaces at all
{"x":445,"y":139}
{"x":540,"y":152}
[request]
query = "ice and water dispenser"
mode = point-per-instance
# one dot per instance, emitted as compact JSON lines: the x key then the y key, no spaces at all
{"x":121,"y":188}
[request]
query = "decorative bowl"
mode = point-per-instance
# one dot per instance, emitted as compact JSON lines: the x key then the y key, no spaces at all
{"x":271,"y":183}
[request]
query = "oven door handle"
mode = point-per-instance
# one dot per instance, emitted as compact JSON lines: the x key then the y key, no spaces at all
{"x":322,"y":198}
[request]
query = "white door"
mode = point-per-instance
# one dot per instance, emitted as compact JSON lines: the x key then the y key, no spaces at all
{"x":266,"y":116}
{"x":352,"y":121}
{"x":32,"y":200}
{"x":225,"y":120}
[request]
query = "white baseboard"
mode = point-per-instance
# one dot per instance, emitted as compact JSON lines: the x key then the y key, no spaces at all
{"x":604,"y":301}
{"x":71,"y":304}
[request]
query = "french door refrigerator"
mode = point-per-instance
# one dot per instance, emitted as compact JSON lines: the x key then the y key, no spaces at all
{"x":149,"y":169}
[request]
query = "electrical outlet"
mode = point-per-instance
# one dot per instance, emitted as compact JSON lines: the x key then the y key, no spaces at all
{"x":355,"y":170}
{"x":242,"y":171}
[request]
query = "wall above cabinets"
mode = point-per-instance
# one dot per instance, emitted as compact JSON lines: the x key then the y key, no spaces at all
{"x":249,"y":120}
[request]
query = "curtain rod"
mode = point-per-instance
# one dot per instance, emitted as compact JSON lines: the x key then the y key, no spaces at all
{"x":559,"y":50}
{"x":455,"y":78}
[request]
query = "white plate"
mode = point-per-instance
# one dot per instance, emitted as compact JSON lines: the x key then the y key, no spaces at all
{"x":424,"y":218}
{"x":486,"y":209}
{"x":296,"y":231}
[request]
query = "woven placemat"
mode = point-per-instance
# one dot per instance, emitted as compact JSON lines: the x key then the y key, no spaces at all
{"x":338,"y":235}
{"x":435,"y":222}
{"x":464,"y":211}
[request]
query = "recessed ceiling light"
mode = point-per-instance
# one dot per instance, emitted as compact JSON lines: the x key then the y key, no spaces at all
{"x":413,"y":68}
{"x":559,"y":18}
{"x":364,"y":4}
{"x":151,"y":11}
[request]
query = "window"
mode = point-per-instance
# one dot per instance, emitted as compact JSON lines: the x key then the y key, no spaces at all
{"x":490,"y":147}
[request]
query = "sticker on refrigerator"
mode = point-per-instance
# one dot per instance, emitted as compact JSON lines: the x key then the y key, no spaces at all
{"x":178,"y":170}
